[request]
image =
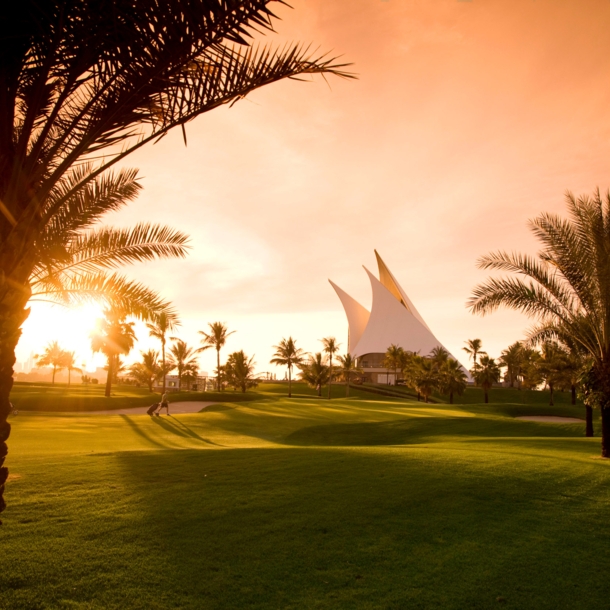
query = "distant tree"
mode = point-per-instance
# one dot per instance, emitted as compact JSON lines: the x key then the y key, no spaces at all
{"x":452,"y":378}
{"x":486,"y":372}
{"x":439,"y":355}
{"x":410,"y":370}
{"x":426,"y":376}
{"x":552,"y":365}
{"x":238,"y":371}
{"x":70,"y":361}
{"x":159,"y":329}
{"x":184,"y":358}
{"x":331,"y":347}
{"x":113,"y":336}
{"x":473,"y":349}
{"x":148,"y":370}
{"x":393,"y":359}
{"x":348,"y":367}
{"x":216,"y":338}
{"x":315,"y":372}
{"x":53,"y":356}
{"x":512,"y":358}
{"x":289,"y":355}
{"x":190,"y":373}
{"x":530,"y":375}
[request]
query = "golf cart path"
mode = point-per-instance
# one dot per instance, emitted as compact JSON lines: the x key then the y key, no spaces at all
{"x":553,"y":419}
{"x":175,"y":408}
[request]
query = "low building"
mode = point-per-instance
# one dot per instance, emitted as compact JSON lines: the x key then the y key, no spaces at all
{"x":393,"y":320}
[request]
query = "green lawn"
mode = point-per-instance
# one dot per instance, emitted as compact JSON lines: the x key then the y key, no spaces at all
{"x":306,"y":503}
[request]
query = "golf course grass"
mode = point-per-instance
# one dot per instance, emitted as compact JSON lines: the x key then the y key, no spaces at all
{"x":306,"y":503}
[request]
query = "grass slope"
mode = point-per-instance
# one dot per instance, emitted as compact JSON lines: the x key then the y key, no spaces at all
{"x":303,"y":503}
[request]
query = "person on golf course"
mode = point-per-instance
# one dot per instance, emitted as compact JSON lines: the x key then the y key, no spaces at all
{"x":164,"y":404}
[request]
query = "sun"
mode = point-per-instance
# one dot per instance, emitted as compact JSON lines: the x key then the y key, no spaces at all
{"x":70,"y":326}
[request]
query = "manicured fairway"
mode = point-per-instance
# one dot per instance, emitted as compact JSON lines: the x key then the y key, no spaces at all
{"x":306,"y":504}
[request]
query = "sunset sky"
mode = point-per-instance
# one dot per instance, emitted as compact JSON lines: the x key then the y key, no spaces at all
{"x":467,"y":119}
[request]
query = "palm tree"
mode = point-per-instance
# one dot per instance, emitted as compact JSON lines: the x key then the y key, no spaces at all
{"x":314,"y":372}
{"x":452,"y":378}
{"x":552,"y":366}
{"x":348,"y":368}
{"x":114,"y":336}
{"x":486,"y":372}
{"x":393,"y":359}
{"x":53,"y":356}
{"x":330,"y":347}
{"x":184,"y":358}
{"x":565,"y":289}
{"x":216,"y":338}
{"x":426,"y":377}
{"x":70,"y":362}
{"x":511,"y":358}
{"x":148,"y":370}
{"x":158,"y":330}
{"x":239,"y":371}
{"x":67,"y":116}
{"x":289,"y":355}
{"x":473,"y":349}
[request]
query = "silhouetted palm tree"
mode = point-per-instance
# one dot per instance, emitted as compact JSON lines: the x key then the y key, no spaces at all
{"x":148,"y":370}
{"x":348,"y":368}
{"x":486,"y":372}
{"x":512,"y":359}
{"x":113,"y":336}
{"x":330,"y":346}
{"x":314,"y":372}
{"x":473,"y":349}
{"x":239,"y":371}
{"x":184,"y":357}
{"x":565,"y":289}
{"x":289,"y":355}
{"x":393,"y":359}
{"x":216,"y":338}
{"x":159,"y":329}
{"x":70,"y":362}
{"x":53,"y":356}
{"x":135,"y":75}
{"x":452,"y":378}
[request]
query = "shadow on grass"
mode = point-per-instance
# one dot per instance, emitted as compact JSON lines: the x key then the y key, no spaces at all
{"x":175,"y":426}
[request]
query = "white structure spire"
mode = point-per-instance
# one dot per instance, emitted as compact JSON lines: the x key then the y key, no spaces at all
{"x":393,"y":319}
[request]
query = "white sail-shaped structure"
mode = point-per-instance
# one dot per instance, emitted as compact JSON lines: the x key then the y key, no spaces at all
{"x":393,"y":320}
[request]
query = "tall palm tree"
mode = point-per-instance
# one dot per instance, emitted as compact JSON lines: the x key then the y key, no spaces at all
{"x":486,"y":372}
{"x":565,"y":289}
{"x":70,"y":361}
{"x":330,"y":347}
{"x":184,"y":358}
{"x":216,"y":338}
{"x":148,"y":370}
{"x":288,"y":354}
{"x":393,"y":359}
{"x":452,"y":378}
{"x":159,"y":329}
{"x":315,"y":372}
{"x":473,"y":349}
{"x":426,"y":377}
{"x":348,"y":368}
{"x":134,"y":76}
{"x":239,"y":371}
{"x":53,"y":356}
{"x":113,"y":336}
{"x":552,"y":366}
{"x":511,"y":358}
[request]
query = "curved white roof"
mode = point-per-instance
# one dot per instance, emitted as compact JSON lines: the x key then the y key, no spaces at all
{"x":393,"y":319}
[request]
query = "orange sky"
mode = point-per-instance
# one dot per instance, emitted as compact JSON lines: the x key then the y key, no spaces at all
{"x":468,"y":118}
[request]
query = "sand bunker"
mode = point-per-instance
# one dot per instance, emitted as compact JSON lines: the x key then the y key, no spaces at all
{"x":175,"y":408}
{"x":553,"y":419}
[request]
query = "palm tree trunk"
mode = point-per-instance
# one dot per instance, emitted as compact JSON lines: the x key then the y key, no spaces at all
{"x":218,"y":369}
{"x":450,"y":398}
{"x":289,"y":381}
{"x":573,"y":394}
{"x":605,"y":432}
{"x":54,"y":374}
{"x":551,"y":403}
{"x":347,"y":386}
{"x":109,"y":379}
{"x":330,"y":374}
{"x":69,"y":371}
{"x":486,"y":396}
{"x":589,"y":421}
{"x":13,"y":313}
{"x":163,"y":354}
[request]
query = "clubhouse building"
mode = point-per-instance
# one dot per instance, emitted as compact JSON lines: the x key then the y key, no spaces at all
{"x":393,"y":319}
